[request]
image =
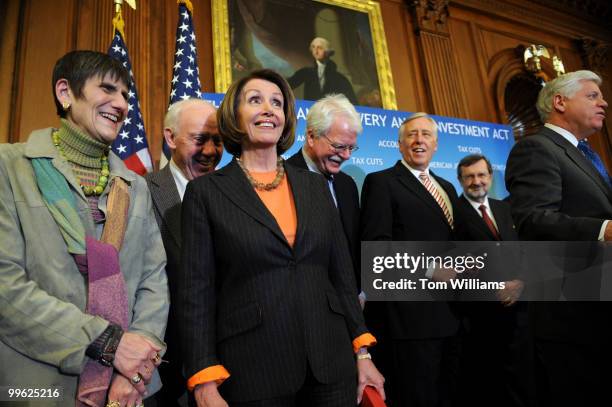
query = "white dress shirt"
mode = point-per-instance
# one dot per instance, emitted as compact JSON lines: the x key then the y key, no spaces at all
{"x":476,"y":206}
{"x":179,"y":179}
{"x":321,"y":74}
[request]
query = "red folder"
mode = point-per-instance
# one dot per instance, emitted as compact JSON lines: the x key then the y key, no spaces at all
{"x":371,"y":398}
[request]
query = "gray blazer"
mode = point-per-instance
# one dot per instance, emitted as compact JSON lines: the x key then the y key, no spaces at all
{"x":44,"y":329}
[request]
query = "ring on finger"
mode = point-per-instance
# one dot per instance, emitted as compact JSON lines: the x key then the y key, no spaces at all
{"x":136,"y":378}
{"x":113,"y":404}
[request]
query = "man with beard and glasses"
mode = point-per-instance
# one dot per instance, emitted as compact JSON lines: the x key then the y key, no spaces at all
{"x":190,"y":130}
{"x":497,"y":326}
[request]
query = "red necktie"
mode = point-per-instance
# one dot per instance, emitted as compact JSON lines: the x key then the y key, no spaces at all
{"x":489,"y":222}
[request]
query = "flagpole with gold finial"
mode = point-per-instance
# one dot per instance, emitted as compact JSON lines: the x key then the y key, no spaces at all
{"x":187,"y":4}
{"x":118,"y":22}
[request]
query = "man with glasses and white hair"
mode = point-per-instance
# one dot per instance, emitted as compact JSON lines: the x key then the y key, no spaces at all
{"x":331,"y":137}
{"x":408,"y":202}
{"x":560,"y":190}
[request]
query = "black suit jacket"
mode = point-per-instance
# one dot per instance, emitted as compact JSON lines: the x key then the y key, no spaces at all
{"x":348,"y":205}
{"x":335,"y":82}
{"x":256,"y":305}
{"x":503,"y":264}
{"x":557,"y":194}
{"x":396,"y":206}
{"x":472,"y":226}
{"x":167,"y":209}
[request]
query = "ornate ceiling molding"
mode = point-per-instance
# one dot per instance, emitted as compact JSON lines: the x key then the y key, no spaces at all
{"x":598,"y":11}
{"x":556,"y":16}
{"x":430,"y":15}
{"x":595,"y":53}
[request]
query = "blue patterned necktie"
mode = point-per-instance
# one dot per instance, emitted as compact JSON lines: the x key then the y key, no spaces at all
{"x":595,"y":159}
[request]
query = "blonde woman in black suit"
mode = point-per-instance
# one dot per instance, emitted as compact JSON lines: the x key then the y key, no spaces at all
{"x":268,"y":310}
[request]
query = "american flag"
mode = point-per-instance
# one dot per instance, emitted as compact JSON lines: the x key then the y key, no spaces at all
{"x":185,"y":82}
{"x":131,"y":143}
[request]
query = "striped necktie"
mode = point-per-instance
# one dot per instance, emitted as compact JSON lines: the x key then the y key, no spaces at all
{"x":431,"y":188}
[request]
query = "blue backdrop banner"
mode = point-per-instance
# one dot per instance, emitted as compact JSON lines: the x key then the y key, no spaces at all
{"x":378,"y":148}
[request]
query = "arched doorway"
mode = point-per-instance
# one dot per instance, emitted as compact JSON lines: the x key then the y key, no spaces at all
{"x":516,"y":90}
{"x":520,"y":97}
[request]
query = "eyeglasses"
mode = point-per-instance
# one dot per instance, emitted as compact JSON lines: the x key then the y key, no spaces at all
{"x":338,"y":148}
{"x":472,"y":177}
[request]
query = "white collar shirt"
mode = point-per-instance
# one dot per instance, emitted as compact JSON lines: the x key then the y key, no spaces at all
{"x":313,"y":168}
{"x":179,"y":179}
{"x":476,"y":206}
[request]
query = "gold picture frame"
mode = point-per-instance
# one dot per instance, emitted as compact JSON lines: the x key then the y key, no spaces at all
{"x":222,"y":48}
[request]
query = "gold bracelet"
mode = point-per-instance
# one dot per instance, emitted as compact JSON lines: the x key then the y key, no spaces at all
{"x":366,"y":355}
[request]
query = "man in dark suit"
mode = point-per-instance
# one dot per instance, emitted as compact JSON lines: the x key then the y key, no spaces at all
{"x":560,"y":190}
{"x":418,"y":340}
{"x":496,"y":326}
{"x":190,"y":130}
{"x":331,"y":136}
{"x":323,"y":78}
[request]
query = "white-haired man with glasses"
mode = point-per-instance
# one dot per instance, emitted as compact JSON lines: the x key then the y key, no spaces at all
{"x":331,"y":137}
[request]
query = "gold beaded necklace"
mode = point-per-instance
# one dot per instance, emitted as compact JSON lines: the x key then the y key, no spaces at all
{"x":104,"y":172}
{"x":280,"y":173}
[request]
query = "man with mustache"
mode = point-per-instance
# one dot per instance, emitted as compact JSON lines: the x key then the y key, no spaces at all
{"x":560,"y":190}
{"x":408,"y":202}
{"x":497,"y":326}
{"x":331,"y":137}
{"x":190,"y":130}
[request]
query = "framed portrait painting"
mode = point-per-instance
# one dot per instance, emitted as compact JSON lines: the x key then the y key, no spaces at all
{"x":320,"y":46}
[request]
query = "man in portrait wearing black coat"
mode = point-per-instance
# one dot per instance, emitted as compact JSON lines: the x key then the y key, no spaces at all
{"x":331,"y":136}
{"x":190,"y":130}
{"x":323,"y":78}
{"x":560,"y":191}
{"x":408,"y":202}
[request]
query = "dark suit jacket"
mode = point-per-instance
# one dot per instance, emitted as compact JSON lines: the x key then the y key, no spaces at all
{"x":348,"y":205}
{"x":473,"y":227}
{"x":256,"y":305}
{"x":557,"y":194}
{"x":396,"y":206}
{"x":496,"y":342}
{"x":335,"y":82}
{"x":503,"y":264}
{"x":167,"y":208}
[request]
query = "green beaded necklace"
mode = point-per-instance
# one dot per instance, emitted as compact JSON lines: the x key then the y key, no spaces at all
{"x":104,"y":172}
